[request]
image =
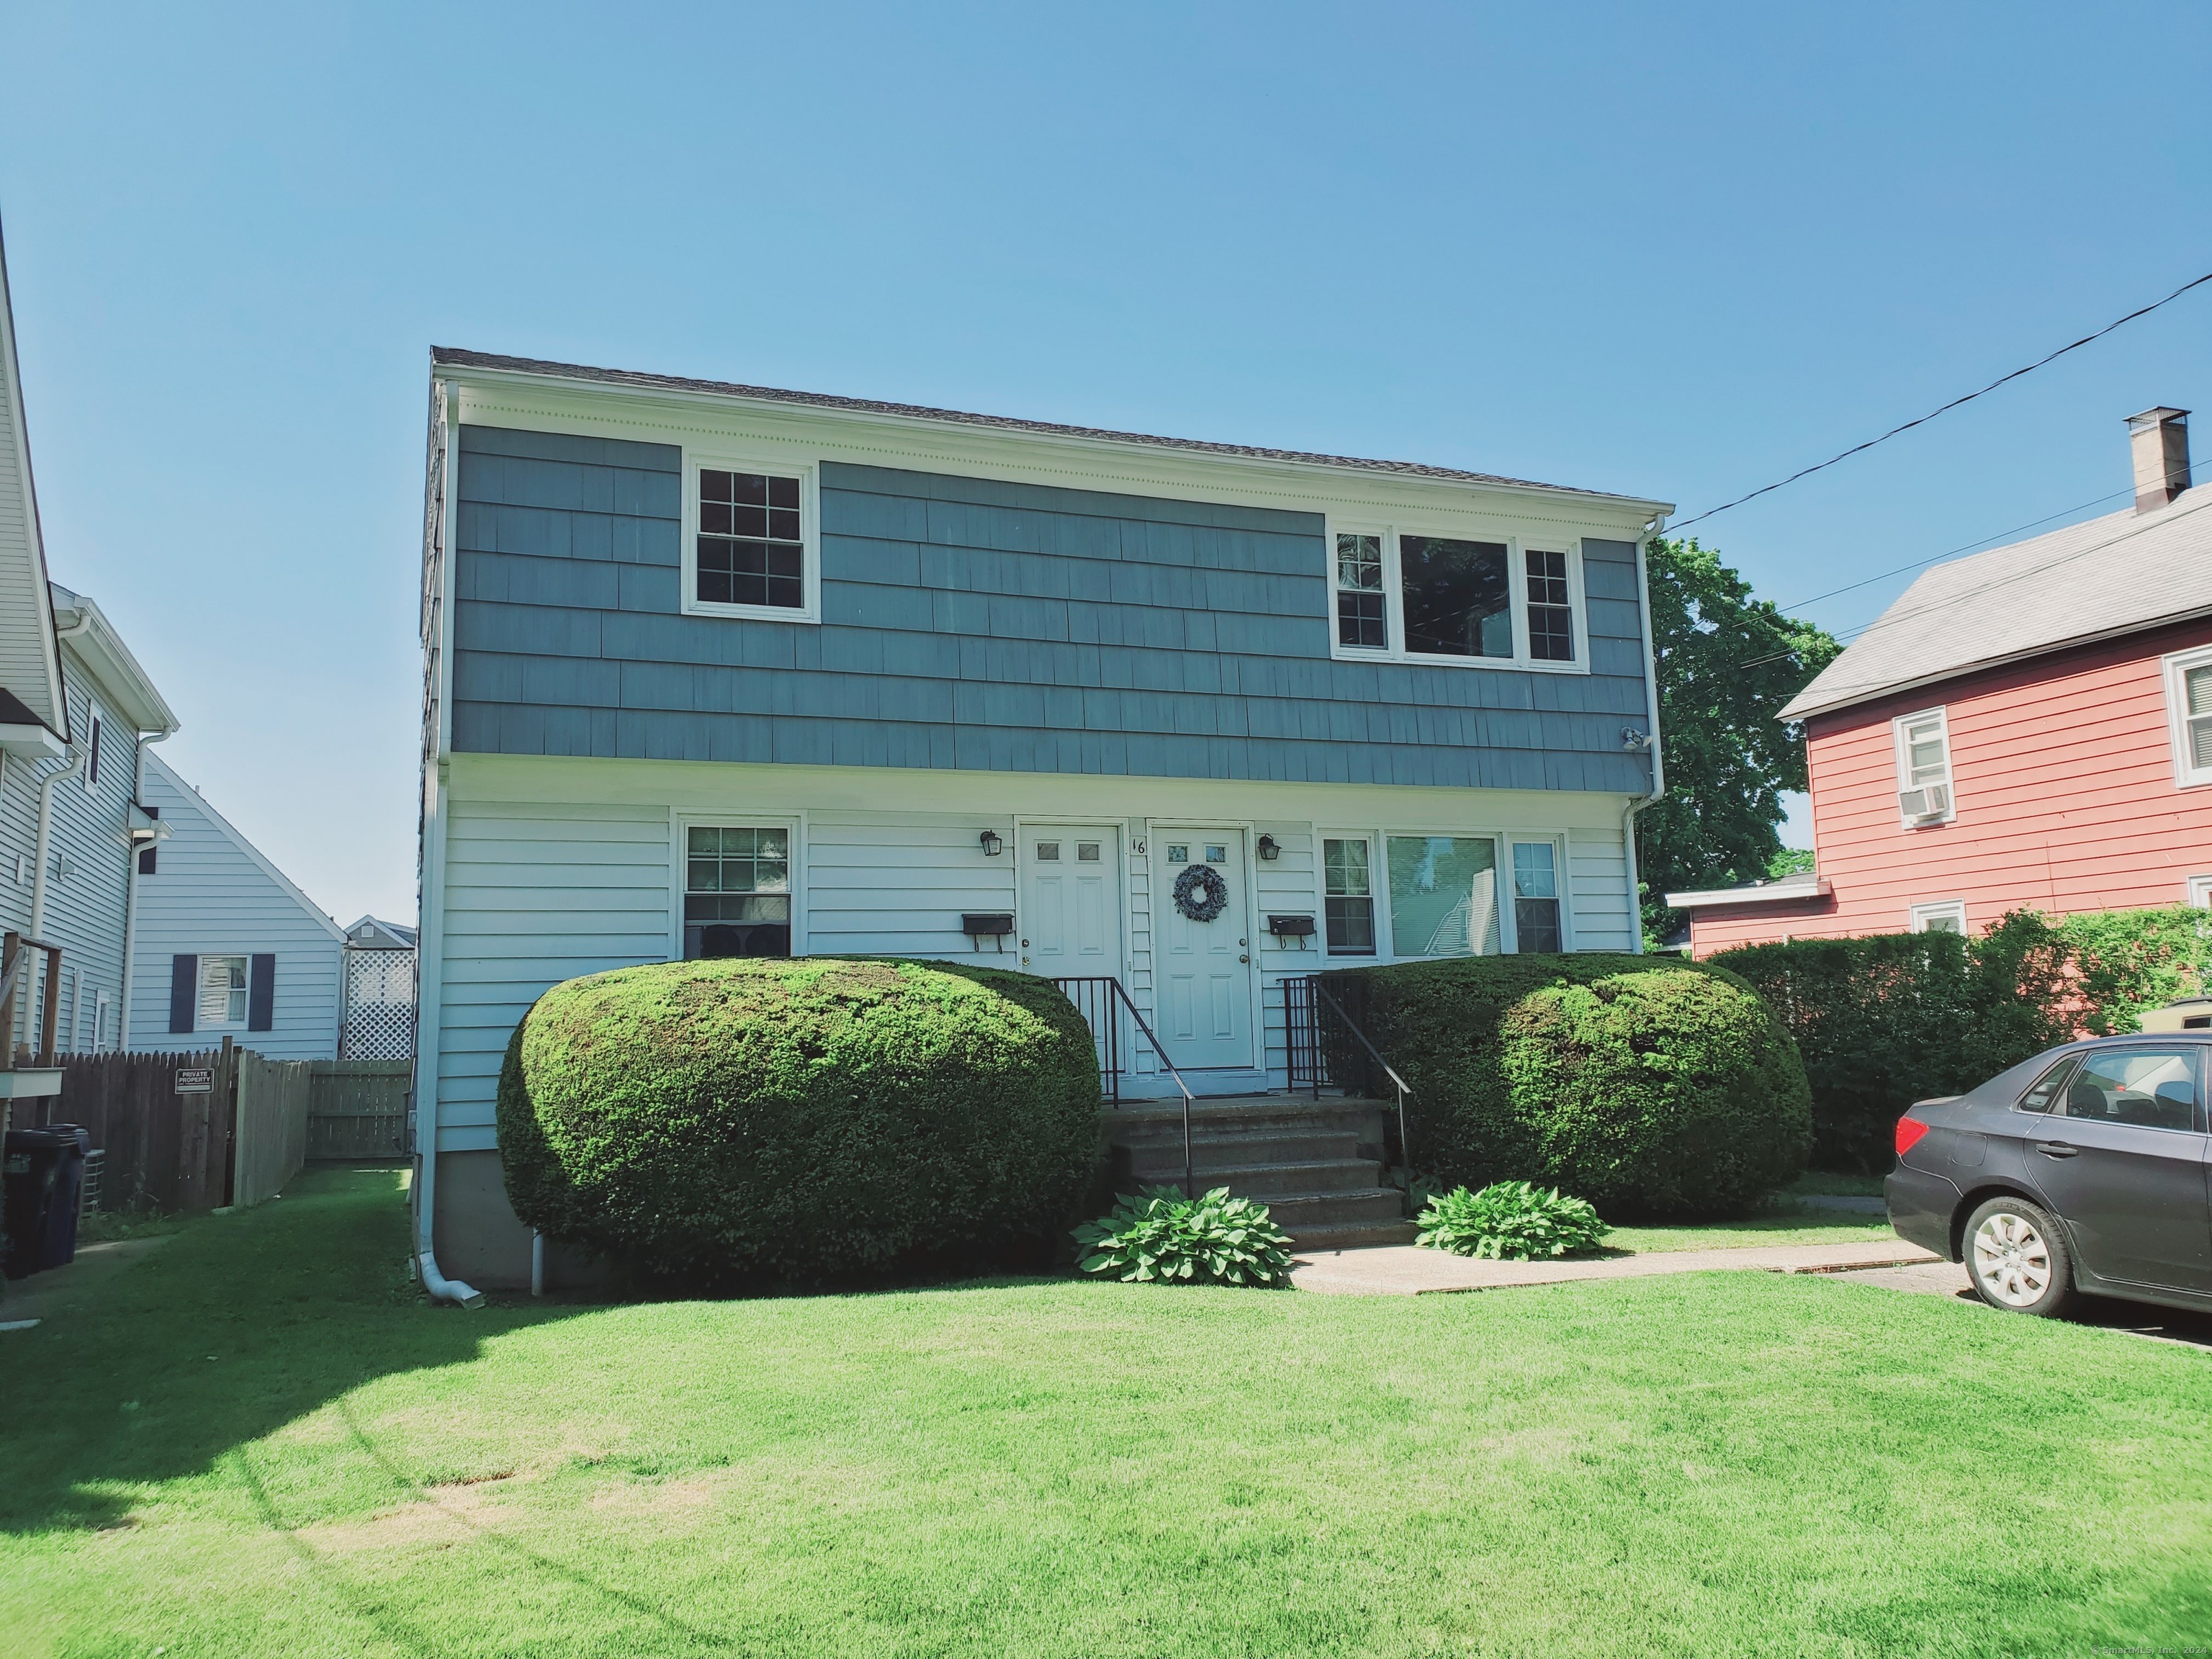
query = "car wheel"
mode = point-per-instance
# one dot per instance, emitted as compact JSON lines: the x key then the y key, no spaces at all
{"x":2016,"y":1256}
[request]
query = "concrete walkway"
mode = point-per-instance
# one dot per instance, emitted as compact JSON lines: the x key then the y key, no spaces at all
{"x":1407,"y":1270}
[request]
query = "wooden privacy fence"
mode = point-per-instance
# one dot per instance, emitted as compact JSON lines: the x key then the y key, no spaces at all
{"x":165,"y":1149}
{"x":272,"y":1125}
{"x":359,"y":1109}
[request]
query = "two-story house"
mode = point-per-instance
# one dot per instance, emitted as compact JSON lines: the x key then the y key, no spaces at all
{"x":2027,"y":728}
{"x":715,"y":670}
{"x":76,"y":710}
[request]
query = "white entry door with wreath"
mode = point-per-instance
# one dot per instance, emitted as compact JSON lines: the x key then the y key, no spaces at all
{"x":1202,"y":949}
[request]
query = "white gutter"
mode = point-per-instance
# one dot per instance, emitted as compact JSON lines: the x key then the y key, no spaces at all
{"x":430,"y":924}
{"x":1636,"y":804}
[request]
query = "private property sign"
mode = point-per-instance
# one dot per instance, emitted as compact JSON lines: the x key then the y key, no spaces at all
{"x":195,"y":1080}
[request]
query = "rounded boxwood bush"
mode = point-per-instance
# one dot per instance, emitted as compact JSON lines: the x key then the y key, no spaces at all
{"x":805,"y":1119}
{"x":1655,"y":1088}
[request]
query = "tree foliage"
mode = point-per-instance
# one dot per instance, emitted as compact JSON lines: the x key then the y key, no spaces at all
{"x":1726,"y":663}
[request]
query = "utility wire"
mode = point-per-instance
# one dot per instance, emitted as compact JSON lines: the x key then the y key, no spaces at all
{"x":2002,"y":379}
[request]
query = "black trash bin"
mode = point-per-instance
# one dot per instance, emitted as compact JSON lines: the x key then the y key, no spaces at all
{"x":43,"y":1173}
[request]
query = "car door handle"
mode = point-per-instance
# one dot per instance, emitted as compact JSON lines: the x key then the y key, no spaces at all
{"x":2057,"y":1149}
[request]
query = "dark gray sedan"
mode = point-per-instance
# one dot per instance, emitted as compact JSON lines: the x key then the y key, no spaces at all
{"x":2087,"y":1169}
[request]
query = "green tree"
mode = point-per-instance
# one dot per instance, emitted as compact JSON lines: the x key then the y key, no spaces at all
{"x":1727,"y":664}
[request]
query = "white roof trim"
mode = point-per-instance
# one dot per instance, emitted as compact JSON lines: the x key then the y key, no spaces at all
{"x":229,"y":831}
{"x":124,"y":687}
{"x":24,"y":571}
{"x":1765,"y":892}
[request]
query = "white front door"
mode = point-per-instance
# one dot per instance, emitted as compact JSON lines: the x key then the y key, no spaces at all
{"x":1205,"y":967}
{"x":1071,"y":901}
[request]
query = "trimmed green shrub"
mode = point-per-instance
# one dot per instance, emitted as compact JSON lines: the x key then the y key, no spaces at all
{"x":1654,"y":1087}
{"x":1510,"y":1221}
{"x":735,"y":1120}
{"x":1160,"y":1234}
{"x":1888,"y":1019}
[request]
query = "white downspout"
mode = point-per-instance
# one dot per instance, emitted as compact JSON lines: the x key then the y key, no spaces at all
{"x":130,"y":903}
{"x":430,"y":926}
{"x":74,"y":769}
{"x":1637,"y":803}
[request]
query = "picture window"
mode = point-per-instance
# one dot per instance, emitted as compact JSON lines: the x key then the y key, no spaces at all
{"x":1457,"y":600}
{"x":737,"y":891}
{"x":1443,"y":895}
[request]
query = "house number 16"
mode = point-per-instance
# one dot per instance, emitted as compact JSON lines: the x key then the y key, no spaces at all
{"x":1136,"y":849}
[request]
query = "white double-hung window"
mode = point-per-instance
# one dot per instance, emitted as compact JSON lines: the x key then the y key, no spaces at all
{"x":1415,"y":597}
{"x":1923,"y":768}
{"x":2189,"y":714}
{"x":750,"y":544}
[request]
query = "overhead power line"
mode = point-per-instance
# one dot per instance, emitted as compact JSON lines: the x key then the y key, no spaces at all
{"x":1806,"y":472}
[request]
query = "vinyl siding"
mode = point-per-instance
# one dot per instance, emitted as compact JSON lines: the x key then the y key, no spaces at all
{"x":2063,"y":777}
{"x":208,"y":896}
{"x":555,"y":868}
{"x":979,"y":625}
{"x":88,"y":868}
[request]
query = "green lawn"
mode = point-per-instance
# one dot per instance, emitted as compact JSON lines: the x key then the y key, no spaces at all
{"x":255,"y":1442}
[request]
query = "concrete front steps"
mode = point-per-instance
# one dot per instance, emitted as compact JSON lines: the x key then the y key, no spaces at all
{"x":1316,"y":1164}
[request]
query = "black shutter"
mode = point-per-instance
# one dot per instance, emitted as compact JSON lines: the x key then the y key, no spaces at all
{"x":261,"y":994}
{"x":184,"y":979}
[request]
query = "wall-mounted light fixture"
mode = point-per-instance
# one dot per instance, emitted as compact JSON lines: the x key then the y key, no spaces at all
{"x":1269,"y":848}
{"x":1634,"y":740}
{"x":992,"y":844}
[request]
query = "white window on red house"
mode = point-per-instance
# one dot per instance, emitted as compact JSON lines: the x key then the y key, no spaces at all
{"x":2189,"y":708}
{"x":1923,"y":768}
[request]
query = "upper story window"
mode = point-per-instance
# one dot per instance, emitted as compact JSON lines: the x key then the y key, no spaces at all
{"x":1362,"y":611}
{"x":2189,"y":714}
{"x":1412,"y":597}
{"x":1923,"y":742}
{"x":750,"y":549}
{"x":95,"y":729}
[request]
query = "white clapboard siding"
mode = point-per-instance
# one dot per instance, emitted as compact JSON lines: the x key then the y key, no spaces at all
{"x":536,"y":894}
{"x":1597,"y":893}
{"x":213,"y":893}
{"x":897,"y":885}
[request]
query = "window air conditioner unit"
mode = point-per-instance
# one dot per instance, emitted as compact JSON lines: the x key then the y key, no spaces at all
{"x":1922,"y":805}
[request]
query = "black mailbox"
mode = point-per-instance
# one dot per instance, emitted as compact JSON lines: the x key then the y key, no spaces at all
{"x":993,"y":924}
{"x":1299,"y":928}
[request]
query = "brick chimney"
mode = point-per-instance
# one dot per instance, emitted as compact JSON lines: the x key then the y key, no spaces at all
{"x":2159,"y":440}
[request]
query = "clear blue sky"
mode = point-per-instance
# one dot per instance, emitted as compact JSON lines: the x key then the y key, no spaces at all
{"x":1673,"y":251}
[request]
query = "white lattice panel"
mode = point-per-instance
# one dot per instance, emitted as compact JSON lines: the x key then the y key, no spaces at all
{"x":380,"y":1005}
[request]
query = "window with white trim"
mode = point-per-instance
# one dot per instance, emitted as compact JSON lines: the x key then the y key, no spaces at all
{"x":1347,"y":895}
{"x":737,"y":890}
{"x":1363,"y":611}
{"x":95,"y":728}
{"x":1538,"y":926}
{"x":1923,"y":768}
{"x":2189,"y":712}
{"x":1416,"y":597}
{"x":221,"y":993}
{"x":1944,"y":916}
{"x":750,"y":546}
{"x":2200,"y":892}
{"x":1443,"y":896}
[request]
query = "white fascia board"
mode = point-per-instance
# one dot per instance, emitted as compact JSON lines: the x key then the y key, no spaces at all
{"x":229,"y":832}
{"x":1773,"y":892}
{"x":123,"y":686}
{"x":668,"y":414}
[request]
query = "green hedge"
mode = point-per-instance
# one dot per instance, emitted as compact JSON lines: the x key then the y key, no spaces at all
{"x":1889,"y":1018}
{"x":1650,"y":1087}
{"x":807,"y":1119}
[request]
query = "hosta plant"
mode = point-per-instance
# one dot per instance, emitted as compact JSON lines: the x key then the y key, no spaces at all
{"x":1160,"y":1234}
{"x":1510,"y":1221}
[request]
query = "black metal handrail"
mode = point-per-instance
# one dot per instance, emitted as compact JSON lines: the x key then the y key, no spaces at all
{"x":1308,"y":1052}
{"x":1095,"y":998}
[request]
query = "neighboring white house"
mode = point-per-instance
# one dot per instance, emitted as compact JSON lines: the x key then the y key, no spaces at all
{"x":226,"y":946}
{"x":379,"y":992}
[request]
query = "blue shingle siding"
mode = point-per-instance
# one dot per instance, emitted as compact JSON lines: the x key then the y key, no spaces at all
{"x":973,"y":624}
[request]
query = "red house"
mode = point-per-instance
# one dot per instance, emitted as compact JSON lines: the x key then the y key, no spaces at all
{"x":2027,"y":728}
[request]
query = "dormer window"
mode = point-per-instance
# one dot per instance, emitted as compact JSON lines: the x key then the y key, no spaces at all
{"x":750,"y":552}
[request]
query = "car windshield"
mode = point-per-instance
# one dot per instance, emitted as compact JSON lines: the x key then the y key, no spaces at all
{"x":2151,"y":1088}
